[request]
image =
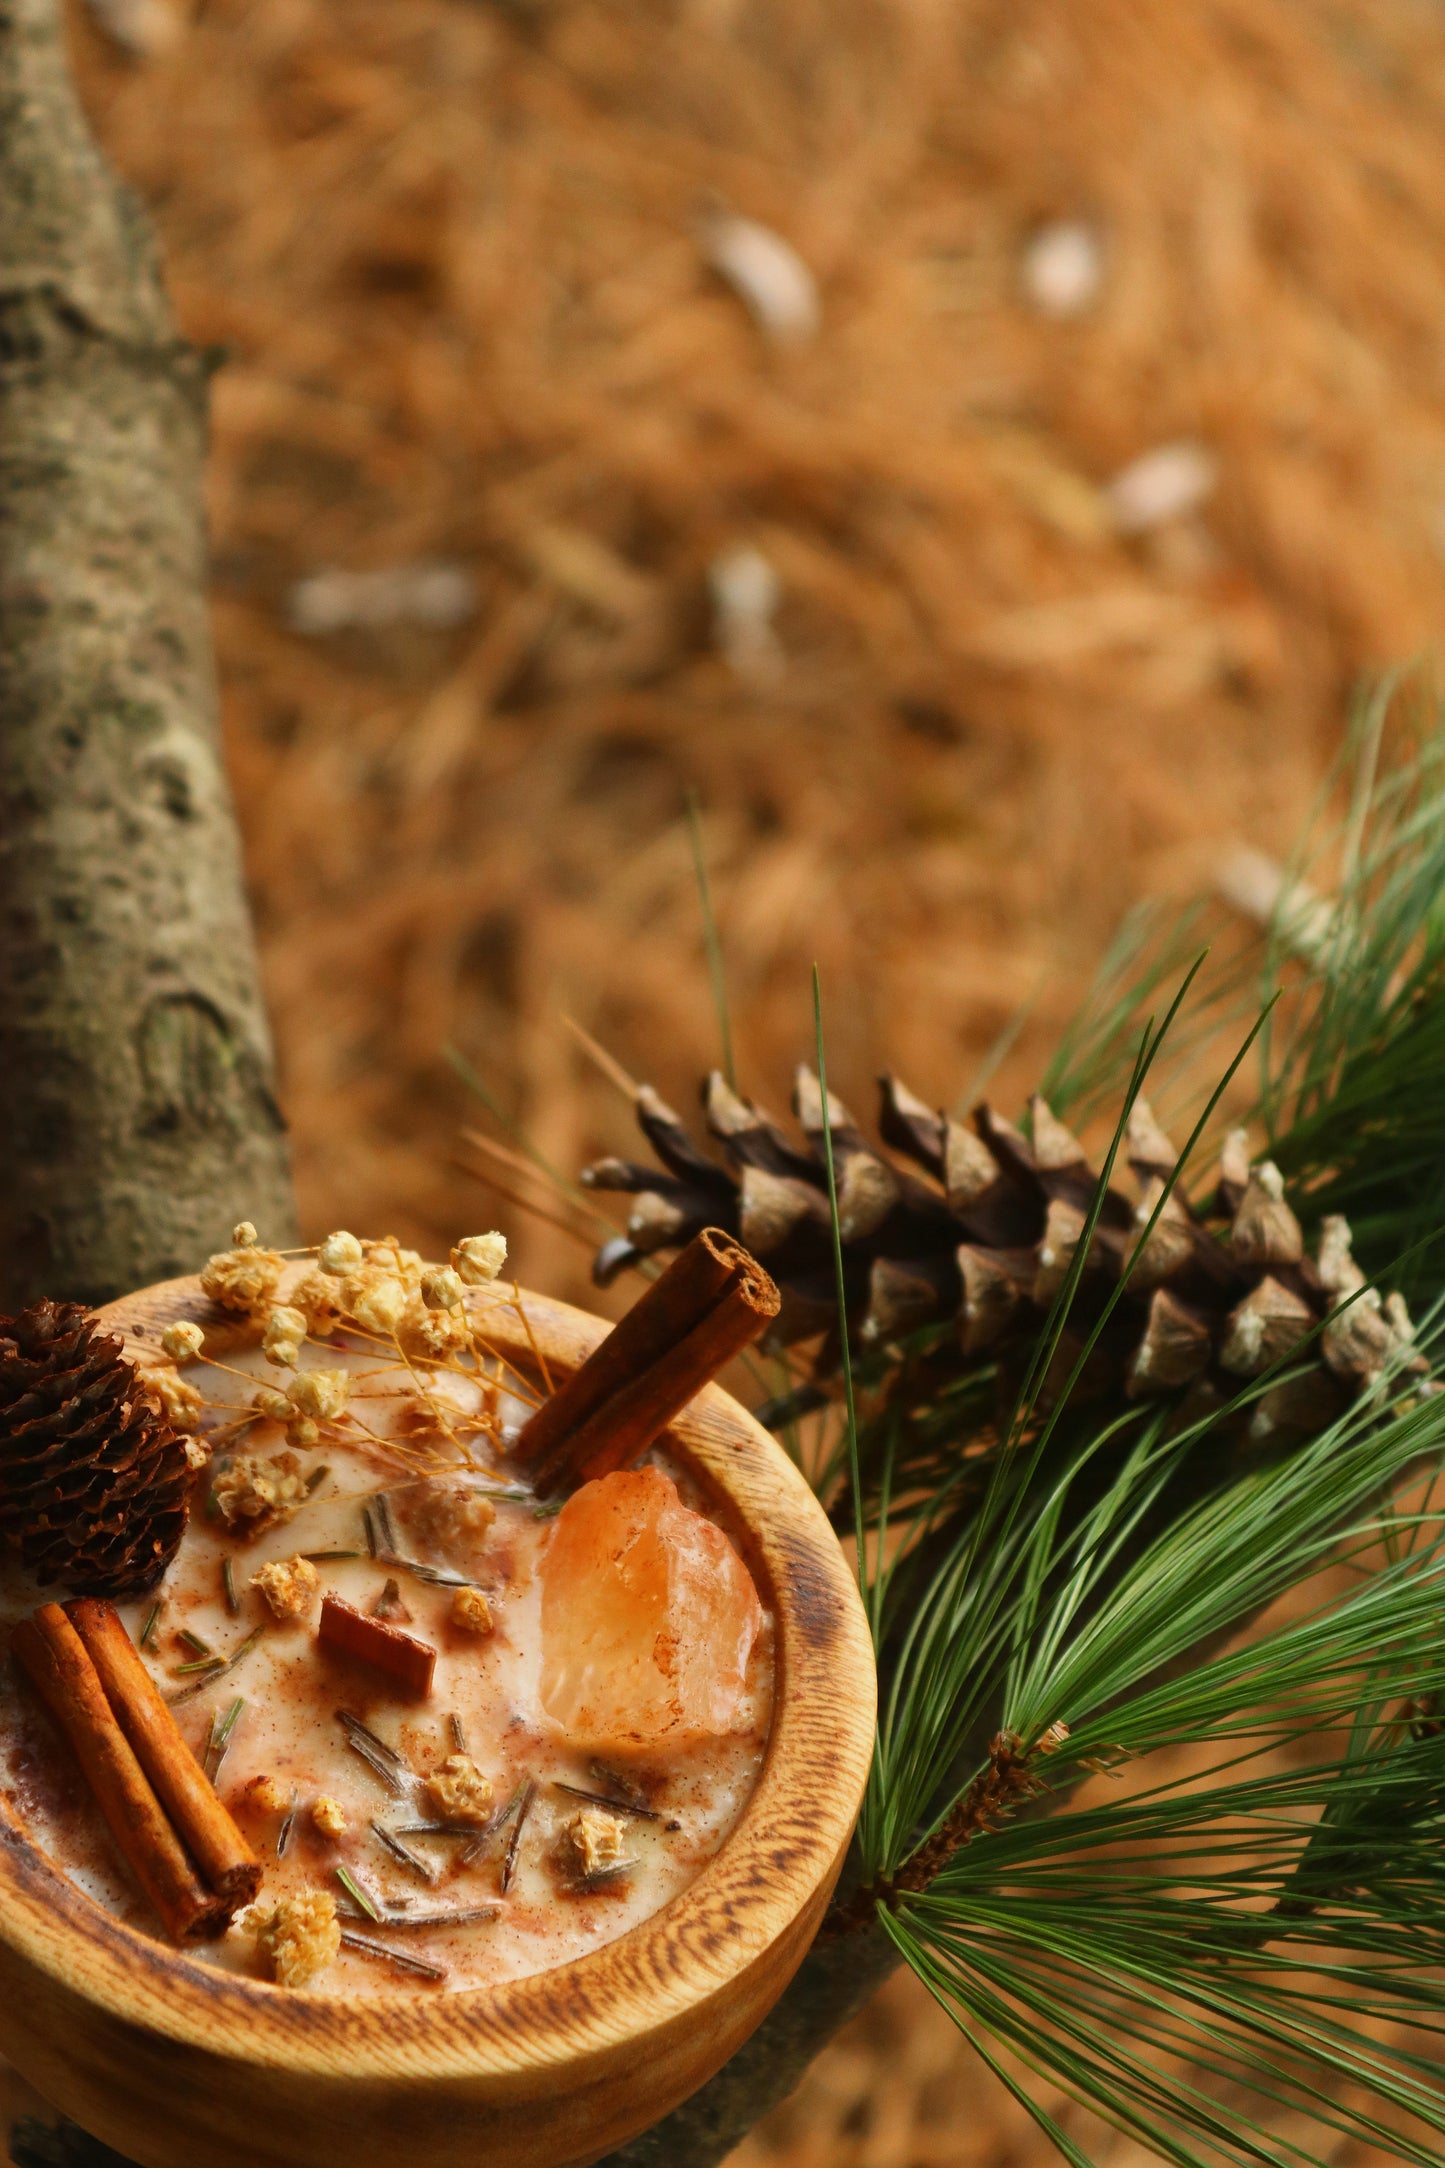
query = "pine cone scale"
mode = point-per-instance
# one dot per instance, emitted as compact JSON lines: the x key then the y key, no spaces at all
{"x":988,"y":1233}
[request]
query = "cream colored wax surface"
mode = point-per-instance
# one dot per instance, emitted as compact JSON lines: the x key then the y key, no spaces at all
{"x":485,"y":1694}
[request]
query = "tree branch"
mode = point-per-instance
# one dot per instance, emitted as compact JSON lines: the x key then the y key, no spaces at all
{"x":135,"y":1066}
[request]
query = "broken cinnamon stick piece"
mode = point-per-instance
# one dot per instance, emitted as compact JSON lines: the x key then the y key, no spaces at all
{"x":54,"y":1657}
{"x":227,"y":1863}
{"x":712,"y":1300}
{"x":402,"y":1657}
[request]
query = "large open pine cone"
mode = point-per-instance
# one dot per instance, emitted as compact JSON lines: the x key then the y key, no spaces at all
{"x":1217,"y":1297}
{"x":94,"y":1483}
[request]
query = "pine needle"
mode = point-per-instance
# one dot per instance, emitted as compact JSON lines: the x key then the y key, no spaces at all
{"x":712,"y":941}
{"x":850,"y":1406}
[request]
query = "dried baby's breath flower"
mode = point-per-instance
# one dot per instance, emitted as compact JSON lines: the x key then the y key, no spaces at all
{"x":478,"y":1259}
{"x":269,"y":1401}
{"x":458,"y":1792}
{"x":245,"y":1278}
{"x":471,"y":1611}
{"x":376,"y":1298}
{"x":339,"y":1254}
{"x":428,"y":1335}
{"x":243,"y":1236}
{"x":301,"y":1935}
{"x":263,"y":1795}
{"x":328,"y":1817}
{"x":452,"y":1515}
{"x":319,"y":1393}
{"x":289,"y":1586}
{"x":442,"y":1289}
{"x":281,"y":1341}
{"x":406,"y":1265}
{"x":303,"y":1434}
{"x":253,"y":1494}
{"x":197,"y":1452}
{"x":176,"y":1397}
{"x":183,"y":1341}
{"x":591,"y":1841}
{"x":315,"y":1298}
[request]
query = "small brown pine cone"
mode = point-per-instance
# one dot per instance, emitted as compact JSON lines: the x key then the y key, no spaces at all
{"x":94,"y":1483}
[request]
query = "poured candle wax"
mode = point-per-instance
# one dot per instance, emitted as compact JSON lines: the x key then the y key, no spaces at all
{"x":616,"y":1650}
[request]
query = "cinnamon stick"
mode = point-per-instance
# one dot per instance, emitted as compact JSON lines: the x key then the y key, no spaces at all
{"x":712,"y":1300}
{"x":402,"y":1657}
{"x":226,"y":1861}
{"x":54,"y":1657}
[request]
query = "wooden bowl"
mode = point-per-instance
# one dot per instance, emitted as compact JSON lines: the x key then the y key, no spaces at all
{"x":179,"y":2064}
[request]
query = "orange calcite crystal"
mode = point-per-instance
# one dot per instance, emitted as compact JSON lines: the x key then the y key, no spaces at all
{"x":648,"y":1618}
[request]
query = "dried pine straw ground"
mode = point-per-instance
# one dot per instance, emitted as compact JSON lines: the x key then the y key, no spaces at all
{"x":452,"y":252}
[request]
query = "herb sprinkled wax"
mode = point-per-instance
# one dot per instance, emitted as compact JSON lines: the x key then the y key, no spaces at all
{"x":381,"y":1669}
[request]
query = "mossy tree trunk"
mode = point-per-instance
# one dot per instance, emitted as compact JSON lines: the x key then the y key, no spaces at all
{"x":136,"y":1101}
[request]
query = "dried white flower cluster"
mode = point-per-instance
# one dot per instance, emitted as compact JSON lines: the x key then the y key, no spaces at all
{"x":281,"y":1341}
{"x":451,"y":1517}
{"x":442,"y":1289}
{"x":339,"y":1254}
{"x":244,"y":1277}
{"x":458,"y":1791}
{"x":591,"y":1843}
{"x":301,"y":1935}
{"x":253,"y":1495}
{"x":392,"y":1294}
{"x":478,"y":1259}
{"x":380,"y":1289}
{"x":313,"y":1397}
{"x":176,"y":1397}
{"x":471,"y":1612}
{"x":289,"y":1585}
{"x":328,"y":1817}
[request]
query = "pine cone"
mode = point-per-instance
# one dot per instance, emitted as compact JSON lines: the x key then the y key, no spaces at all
{"x":94,"y":1483}
{"x":1216,"y":1297}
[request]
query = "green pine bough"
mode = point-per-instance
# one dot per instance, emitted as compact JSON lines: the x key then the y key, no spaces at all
{"x":1157,"y":1811}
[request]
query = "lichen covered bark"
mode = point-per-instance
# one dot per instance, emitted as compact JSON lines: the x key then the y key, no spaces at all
{"x":137,"y":1116}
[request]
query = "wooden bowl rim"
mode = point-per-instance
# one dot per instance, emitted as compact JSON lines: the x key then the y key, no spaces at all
{"x":784,"y":1849}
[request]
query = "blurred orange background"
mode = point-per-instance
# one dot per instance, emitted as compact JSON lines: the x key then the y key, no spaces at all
{"x":997,"y":540}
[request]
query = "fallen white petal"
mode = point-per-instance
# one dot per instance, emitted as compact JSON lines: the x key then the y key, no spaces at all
{"x":767,"y":272}
{"x":745,"y":592}
{"x":1161,"y":485}
{"x":1063,"y":268}
{"x":436,"y":594}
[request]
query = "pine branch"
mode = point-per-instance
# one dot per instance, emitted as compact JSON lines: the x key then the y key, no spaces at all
{"x":135,"y":1067}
